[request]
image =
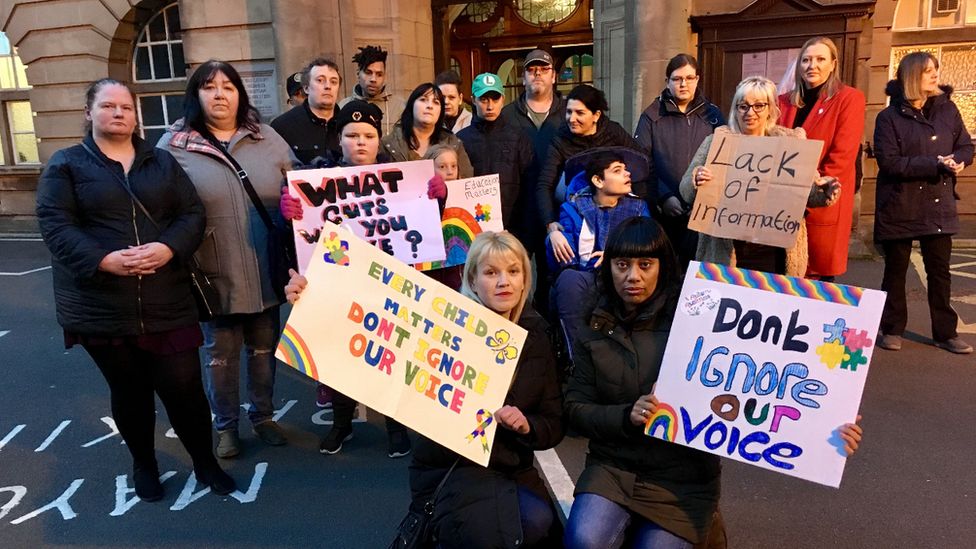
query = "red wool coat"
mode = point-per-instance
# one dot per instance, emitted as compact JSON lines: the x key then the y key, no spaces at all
{"x":838,"y":121}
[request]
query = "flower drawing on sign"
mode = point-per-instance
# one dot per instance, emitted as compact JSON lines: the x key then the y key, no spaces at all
{"x":500,"y":343}
{"x":843,"y":346}
{"x":337,"y":249}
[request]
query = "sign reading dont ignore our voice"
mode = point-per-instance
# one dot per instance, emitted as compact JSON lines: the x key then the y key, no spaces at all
{"x":384,"y":204}
{"x":765,"y":369}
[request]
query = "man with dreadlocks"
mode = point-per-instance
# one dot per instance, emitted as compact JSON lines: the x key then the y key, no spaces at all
{"x":371,"y":84}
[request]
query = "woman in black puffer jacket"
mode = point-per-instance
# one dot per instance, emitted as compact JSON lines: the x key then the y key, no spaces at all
{"x":587,"y":126}
{"x":921,"y":144}
{"x":120,"y":286}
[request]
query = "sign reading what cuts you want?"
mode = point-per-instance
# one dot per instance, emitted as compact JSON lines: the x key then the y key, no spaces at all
{"x":759,"y":188}
{"x":386,"y":335}
{"x":765,"y":368}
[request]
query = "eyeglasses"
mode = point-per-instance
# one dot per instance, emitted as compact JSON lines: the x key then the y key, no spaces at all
{"x":679,"y":80}
{"x":536,"y":71}
{"x":757,"y":108}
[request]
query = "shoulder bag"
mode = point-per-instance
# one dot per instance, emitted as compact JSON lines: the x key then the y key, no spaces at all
{"x":414,"y":531}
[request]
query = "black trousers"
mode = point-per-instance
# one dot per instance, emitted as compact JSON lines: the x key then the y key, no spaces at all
{"x":133,"y":376}
{"x":343,"y":409}
{"x":936,"y":251}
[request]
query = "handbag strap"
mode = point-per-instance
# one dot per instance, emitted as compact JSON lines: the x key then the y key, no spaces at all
{"x":245,"y":181}
{"x":440,"y":486}
{"x":126,"y":186}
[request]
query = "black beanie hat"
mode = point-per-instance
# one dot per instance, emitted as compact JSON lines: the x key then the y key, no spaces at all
{"x":358,"y":110}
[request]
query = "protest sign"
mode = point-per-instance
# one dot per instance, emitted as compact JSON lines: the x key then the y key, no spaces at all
{"x":474,"y":205}
{"x":386,"y":335}
{"x":384,"y":204}
{"x":765,"y":368}
{"x":759,"y":188}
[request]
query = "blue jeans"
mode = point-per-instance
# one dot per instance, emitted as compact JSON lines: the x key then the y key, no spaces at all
{"x":223,"y":339}
{"x":597,"y":522}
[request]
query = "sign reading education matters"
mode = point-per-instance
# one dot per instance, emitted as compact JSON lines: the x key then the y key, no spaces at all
{"x":384,"y":204}
{"x":379,"y":331}
{"x":759,"y":188}
{"x":764,"y":369}
{"x":473,"y":206}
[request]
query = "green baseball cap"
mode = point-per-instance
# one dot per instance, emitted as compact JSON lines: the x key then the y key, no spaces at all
{"x":486,"y":82}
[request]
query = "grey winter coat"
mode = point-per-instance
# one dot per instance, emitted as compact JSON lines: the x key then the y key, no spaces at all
{"x":234,"y":249}
{"x":399,"y":150}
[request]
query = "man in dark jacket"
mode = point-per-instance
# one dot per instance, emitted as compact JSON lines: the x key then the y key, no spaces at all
{"x":310,"y":128}
{"x":496,"y":147}
{"x":539,"y":112}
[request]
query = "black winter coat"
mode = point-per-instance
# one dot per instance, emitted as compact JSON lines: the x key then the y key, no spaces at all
{"x":671,"y":137}
{"x":616,"y":362}
{"x":308,"y":135}
{"x":565,"y":145}
{"x":915,"y":195}
{"x":85,"y":213}
{"x":498,"y":147}
{"x":471,"y":489}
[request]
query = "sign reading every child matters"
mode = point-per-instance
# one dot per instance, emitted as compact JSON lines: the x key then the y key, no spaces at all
{"x":384,"y":204}
{"x":765,"y":368}
{"x":375,"y":329}
{"x":759,"y":188}
{"x":474,"y":205}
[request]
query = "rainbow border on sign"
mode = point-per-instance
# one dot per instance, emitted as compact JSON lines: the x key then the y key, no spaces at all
{"x":296,"y":352}
{"x":667,"y":419}
{"x":780,"y":284}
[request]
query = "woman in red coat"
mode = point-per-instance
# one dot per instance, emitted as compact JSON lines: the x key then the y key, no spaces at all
{"x":832,"y":112}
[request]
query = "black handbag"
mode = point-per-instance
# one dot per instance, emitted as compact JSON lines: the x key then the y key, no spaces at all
{"x":414,"y":530}
{"x":281,"y":242}
{"x":204,"y":292}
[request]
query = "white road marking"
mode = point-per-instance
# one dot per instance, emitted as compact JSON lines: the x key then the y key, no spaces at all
{"x":962,"y":328}
{"x":54,"y":434}
{"x":4,"y":332}
{"x":39,"y":269}
{"x":560,"y":484}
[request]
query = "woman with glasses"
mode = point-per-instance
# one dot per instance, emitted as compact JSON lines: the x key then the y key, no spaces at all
{"x":832,"y":112}
{"x":921,"y":143}
{"x":670,"y":130}
{"x":754,"y":112}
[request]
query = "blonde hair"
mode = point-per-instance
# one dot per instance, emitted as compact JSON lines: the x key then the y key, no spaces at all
{"x":909,"y":74}
{"x":833,"y":82}
{"x":436,"y":150}
{"x":762,"y":87}
{"x":489,"y":244}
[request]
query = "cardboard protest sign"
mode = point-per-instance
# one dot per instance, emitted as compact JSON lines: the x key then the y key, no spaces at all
{"x":386,"y":335}
{"x":473,"y":206}
{"x":765,"y":368}
{"x":759,"y":188}
{"x":384,"y":204}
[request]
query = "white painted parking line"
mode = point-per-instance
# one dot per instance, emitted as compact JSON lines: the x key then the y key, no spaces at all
{"x":560,"y":484}
{"x":39,"y":269}
{"x":963,"y":327}
{"x":4,"y":332}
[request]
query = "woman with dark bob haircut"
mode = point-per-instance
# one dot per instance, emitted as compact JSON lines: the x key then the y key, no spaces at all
{"x":219,"y":128}
{"x":587,"y":126}
{"x":419,"y":128}
{"x":636,"y":491}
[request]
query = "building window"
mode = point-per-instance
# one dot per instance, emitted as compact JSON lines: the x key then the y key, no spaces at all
{"x":545,"y":12}
{"x":159,"y":72}
{"x":576,"y":70}
{"x":934,"y":14}
{"x":159,"y":48}
{"x":18,"y":144}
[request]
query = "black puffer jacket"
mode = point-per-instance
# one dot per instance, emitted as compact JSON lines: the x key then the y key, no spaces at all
{"x":566,"y":144}
{"x":671,"y":137}
{"x":536,"y":392}
{"x":915,"y":195}
{"x":498,"y":147}
{"x":85,"y":213}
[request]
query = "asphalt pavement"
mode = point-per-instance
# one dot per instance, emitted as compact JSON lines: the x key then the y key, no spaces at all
{"x":65,"y":477}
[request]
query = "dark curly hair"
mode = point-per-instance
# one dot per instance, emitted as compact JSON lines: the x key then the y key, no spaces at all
{"x":368,"y":55}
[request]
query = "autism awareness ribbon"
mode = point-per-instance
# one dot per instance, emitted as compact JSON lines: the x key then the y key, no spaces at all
{"x":484,"y":420}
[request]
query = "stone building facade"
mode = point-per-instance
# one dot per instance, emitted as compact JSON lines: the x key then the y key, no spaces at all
{"x":65,"y":44}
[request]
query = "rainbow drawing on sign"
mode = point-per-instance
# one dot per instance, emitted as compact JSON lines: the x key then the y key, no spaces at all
{"x":788,"y":285}
{"x":664,"y":419}
{"x":459,"y":227}
{"x":296,"y":352}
